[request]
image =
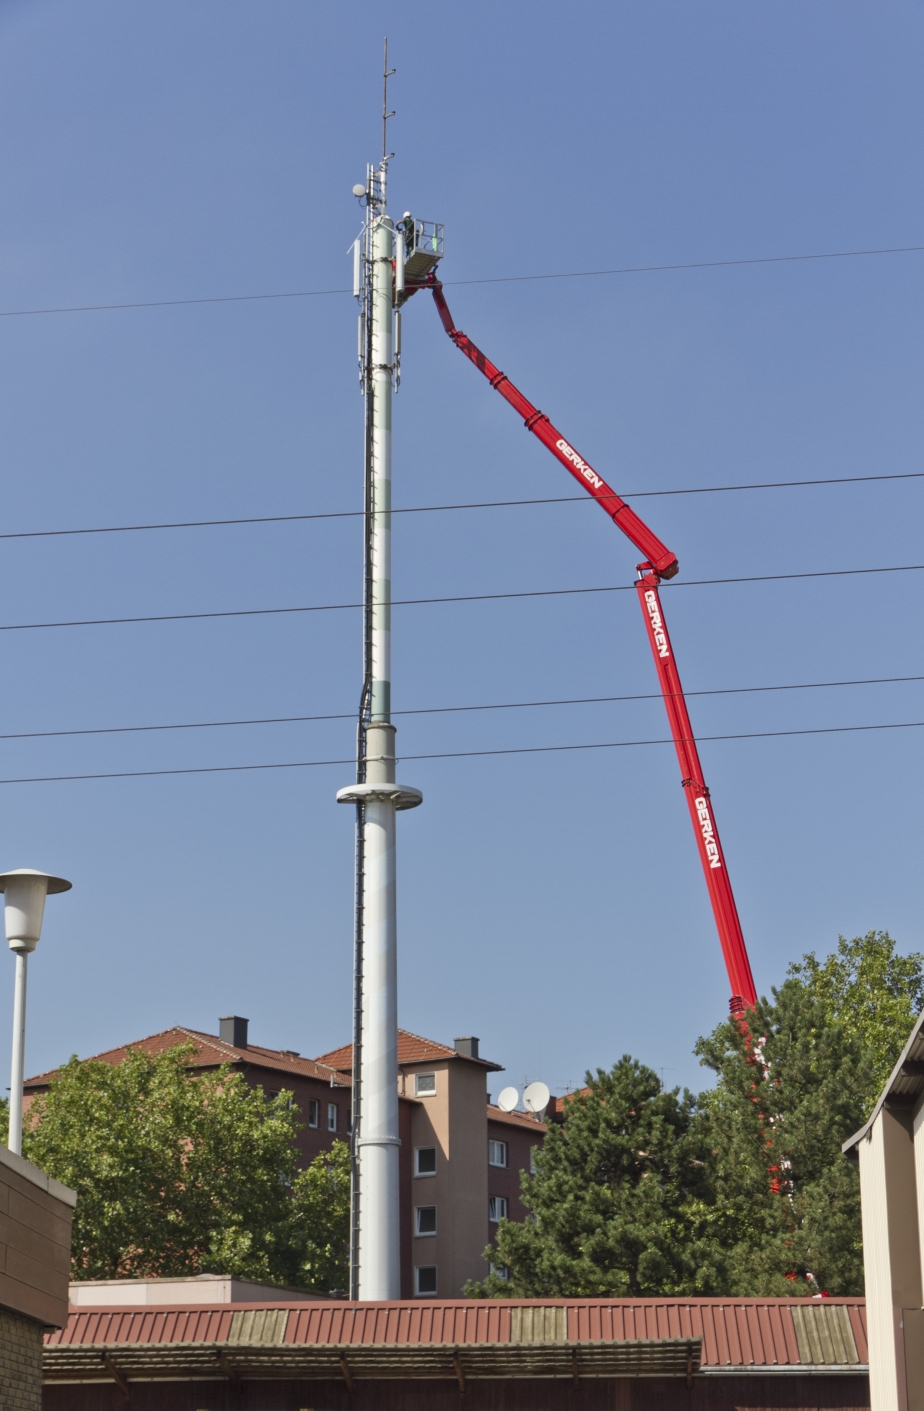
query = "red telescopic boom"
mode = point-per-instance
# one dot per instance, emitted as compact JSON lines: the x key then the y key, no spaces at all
{"x":659,"y":563}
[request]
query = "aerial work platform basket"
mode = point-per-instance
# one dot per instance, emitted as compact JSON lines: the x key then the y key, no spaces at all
{"x":423,"y":247}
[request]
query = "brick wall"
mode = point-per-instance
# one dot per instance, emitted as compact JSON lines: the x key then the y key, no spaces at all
{"x":20,"y":1363}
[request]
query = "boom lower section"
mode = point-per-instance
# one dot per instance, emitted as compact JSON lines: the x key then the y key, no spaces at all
{"x":711,"y":855}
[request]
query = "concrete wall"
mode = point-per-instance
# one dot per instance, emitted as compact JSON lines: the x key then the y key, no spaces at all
{"x":35,"y":1241}
{"x":205,"y":1289}
{"x":892,"y":1259}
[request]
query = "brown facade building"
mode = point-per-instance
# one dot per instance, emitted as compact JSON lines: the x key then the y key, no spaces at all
{"x":461,"y":1158}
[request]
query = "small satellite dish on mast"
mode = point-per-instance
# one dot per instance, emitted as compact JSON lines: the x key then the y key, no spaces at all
{"x":536,"y":1098}
{"x":508,"y":1099}
{"x":359,"y":190}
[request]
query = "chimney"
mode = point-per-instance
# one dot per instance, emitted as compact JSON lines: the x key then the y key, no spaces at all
{"x":232,"y":1029}
{"x":467,"y":1048}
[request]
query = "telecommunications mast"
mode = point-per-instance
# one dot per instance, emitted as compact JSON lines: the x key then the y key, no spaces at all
{"x":375,"y":1271}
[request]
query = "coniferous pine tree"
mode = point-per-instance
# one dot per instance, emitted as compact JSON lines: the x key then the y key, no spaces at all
{"x":620,"y":1202}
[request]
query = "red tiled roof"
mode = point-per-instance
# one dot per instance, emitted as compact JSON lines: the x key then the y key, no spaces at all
{"x":411,"y":1049}
{"x":210,"y":1053}
{"x":516,"y":1119}
{"x":557,"y":1107}
{"x":736,"y":1333}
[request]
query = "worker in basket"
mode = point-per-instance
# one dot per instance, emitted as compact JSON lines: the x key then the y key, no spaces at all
{"x":407,"y":224}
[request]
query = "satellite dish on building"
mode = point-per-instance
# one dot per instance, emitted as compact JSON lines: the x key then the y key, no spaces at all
{"x":536,"y":1098}
{"x":508,"y":1099}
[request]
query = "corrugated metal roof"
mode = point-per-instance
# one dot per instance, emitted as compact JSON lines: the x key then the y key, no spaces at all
{"x":825,"y":1335}
{"x":113,"y":1326}
{"x":746,"y":1333}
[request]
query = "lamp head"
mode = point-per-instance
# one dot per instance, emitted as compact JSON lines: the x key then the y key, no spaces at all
{"x":25,"y":892}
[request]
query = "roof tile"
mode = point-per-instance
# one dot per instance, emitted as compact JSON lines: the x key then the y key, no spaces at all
{"x":412,"y":1048}
{"x":516,"y":1119}
{"x":210,"y":1053}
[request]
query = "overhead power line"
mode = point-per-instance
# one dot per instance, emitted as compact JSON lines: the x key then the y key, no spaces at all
{"x":469,"y":505}
{"x":499,"y":279}
{"x":448,"y":710}
{"x":450,"y":598}
{"x":456,"y":754}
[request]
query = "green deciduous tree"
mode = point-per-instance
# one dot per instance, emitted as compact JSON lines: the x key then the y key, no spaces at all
{"x":874,"y":993}
{"x":184,"y":1175}
{"x":831,"y":1036}
{"x":786,"y":1202}
{"x":620,"y":1201}
{"x":320,"y":1222}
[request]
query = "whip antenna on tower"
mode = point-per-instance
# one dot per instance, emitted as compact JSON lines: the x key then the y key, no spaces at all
{"x":386,"y":75}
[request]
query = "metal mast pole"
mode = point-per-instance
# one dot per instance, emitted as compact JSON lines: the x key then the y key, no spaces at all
{"x":375,"y":1253}
{"x":19,"y":1052}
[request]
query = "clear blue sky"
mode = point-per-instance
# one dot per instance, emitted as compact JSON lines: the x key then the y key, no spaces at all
{"x":551,"y":903}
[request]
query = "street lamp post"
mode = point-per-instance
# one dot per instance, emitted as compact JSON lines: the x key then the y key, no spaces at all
{"x":25,"y":892}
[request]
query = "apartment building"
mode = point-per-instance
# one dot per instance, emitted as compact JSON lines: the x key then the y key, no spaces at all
{"x":461,"y":1157}
{"x":461,"y":1160}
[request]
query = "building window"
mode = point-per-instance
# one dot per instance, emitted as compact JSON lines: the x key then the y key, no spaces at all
{"x":424,"y":1084}
{"x":497,"y":1208}
{"x":425,"y":1220}
{"x":501,"y":1270}
{"x":425,"y":1161}
{"x":532,"y":1161}
{"x":332,"y":1111}
{"x":313,"y":1109}
{"x":425,"y":1279}
{"x":497,"y":1153}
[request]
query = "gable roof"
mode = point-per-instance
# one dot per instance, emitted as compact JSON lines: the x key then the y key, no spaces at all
{"x":411,"y":1049}
{"x":516,"y":1119}
{"x":211,"y":1052}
